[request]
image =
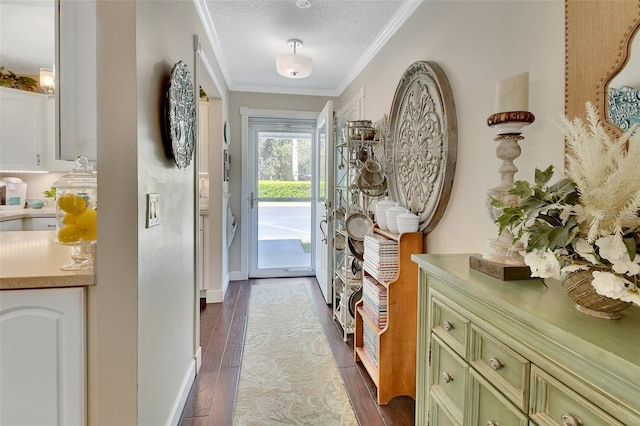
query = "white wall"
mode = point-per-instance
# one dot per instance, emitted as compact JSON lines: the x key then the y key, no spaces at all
{"x":478,"y":43}
{"x":141,"y":329}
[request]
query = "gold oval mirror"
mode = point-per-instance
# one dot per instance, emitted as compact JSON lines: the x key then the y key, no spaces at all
{"x":623,"y":90}
{"x":598,"y":35}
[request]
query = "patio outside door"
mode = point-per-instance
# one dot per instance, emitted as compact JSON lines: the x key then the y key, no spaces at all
{"x":281,"y":198}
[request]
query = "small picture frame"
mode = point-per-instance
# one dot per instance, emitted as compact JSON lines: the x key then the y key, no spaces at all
{"x":227,"y":165}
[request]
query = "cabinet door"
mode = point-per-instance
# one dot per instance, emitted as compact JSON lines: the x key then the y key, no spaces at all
{"x":438,"y":416}
{"x":487,"y":406}
{"x":77,"y":80}
{"x":11,"y":225}
{"x":42,"y":348}
{"x":553,"y":403}
{"x":448,"y":379}
{"x":22,"y":129}
{"x":41,"y":224}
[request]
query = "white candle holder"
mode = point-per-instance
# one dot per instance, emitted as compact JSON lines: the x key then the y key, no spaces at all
{"x":509,"y":127}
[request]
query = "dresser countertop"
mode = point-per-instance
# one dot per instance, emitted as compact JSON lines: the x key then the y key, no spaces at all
{"x":32,"y":259}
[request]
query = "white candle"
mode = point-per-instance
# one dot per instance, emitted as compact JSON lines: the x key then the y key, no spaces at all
{"x":512,"y":94}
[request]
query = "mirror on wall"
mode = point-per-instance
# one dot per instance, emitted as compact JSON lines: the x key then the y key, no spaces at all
{"x":598,"y":45}
{"x":623,"y":91}
{"x":27,"y":31}
{"x":48,"y":60}
{"x":27,"y":107}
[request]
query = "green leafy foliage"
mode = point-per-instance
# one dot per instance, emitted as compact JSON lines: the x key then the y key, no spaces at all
{"x":10,"y":79}
{"x":49,"y":193}
{"x":538,"y":215}
{"x":284,"y":189}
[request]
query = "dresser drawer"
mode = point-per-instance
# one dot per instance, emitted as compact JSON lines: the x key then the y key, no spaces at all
{"x":449,"y":325}
{"x":487,"y":406}
{"x":499,"y":364}
{"x":440,"y":416}
{"x":448,"y":379}
{"x":553,"y":403}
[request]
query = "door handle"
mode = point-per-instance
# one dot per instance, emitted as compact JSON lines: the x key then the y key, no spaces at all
{"x":324,"y":232}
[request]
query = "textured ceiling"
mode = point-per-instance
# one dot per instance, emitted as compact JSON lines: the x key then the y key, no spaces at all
{"x":247,"y":35}
{"x":340,"y":36}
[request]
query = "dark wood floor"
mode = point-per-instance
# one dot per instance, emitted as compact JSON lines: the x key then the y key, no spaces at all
{"x":222,"y":331}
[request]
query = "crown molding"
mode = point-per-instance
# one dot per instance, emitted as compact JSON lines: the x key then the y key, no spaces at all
{"x":400,"y":17}
{"x":284,"y":90}
{"x":214,"y":41}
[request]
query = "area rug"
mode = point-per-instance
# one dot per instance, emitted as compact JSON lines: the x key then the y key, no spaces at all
{"x":288,"y":374}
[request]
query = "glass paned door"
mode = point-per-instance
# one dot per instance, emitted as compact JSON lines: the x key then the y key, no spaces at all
{"x":281,"y":201}
{"x":323,"y":202}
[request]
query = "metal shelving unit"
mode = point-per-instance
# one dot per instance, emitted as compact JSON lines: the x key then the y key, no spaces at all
{"x":347,"y":199}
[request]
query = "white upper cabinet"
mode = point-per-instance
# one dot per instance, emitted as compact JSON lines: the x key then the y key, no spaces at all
{"x":76,"y":91}
{"x":22,"y":129}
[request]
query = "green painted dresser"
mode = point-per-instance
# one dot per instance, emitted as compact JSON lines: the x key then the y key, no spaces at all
{"x":504,"y":353}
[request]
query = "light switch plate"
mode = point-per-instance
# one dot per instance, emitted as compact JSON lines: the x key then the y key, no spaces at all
{"x":153,"y":210}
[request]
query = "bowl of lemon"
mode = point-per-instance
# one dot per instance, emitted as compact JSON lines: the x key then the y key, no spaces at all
{"x":77,"y":213}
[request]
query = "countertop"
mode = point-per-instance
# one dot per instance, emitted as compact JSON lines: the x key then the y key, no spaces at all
{"x":11,"y":214}
{"x":32,"y":259}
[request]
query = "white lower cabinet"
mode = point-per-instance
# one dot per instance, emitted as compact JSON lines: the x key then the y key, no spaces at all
{"x":29,"y":224}
{"x":11,"y":225}
{"x":42,"y":353}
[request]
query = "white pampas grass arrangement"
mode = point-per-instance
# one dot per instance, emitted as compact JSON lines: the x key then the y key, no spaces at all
{"x":606,"y":172}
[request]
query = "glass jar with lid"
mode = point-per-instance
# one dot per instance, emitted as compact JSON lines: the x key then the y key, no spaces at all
{"x":77,"y":213}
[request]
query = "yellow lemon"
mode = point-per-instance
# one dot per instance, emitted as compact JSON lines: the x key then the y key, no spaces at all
{"x":69,"y":234}
{"x":69,"y":219}
{"x":71,"y":203}
{"x":90,"y":235}
{"x":87,"y":219}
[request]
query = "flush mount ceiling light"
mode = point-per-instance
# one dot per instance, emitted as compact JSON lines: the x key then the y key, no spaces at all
{"x":294,"y":65}
{"x":303,"y":4}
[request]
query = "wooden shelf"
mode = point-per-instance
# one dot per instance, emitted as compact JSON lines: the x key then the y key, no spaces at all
{"x":391,"y":235}
{"x":395,"y":374}
{"x":368,"y":363}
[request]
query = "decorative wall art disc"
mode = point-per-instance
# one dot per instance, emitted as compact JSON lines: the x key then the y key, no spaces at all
{"x":424,"y":139}
{"x":180,"y":115}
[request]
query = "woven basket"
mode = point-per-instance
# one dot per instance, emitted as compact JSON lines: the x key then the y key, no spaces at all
{"x":578,"y":286}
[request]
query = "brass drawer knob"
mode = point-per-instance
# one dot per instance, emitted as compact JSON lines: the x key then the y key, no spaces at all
{"x":446,"y":377}
{"x":492,"y":423}
{"x":447,"y":326}
{"x":569,"y":420}
{"x":496,"y":364}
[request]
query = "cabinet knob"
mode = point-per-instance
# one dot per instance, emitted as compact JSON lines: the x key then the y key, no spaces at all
{"x":569,"y":420}
{"x":446,"y":377}
{"x":492,"y":423}
{"x":496,"y":364}
{"x":447,"y":326}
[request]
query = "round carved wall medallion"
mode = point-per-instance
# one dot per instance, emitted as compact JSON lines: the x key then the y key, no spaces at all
{"x":424,"y":141}
{"x":180,"y":115}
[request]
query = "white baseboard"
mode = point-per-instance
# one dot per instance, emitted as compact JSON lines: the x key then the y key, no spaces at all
{"x":237,"y":276}
{"x":214,"y":296}
{"x":183,"y":394}
{"x":198,"y":359}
